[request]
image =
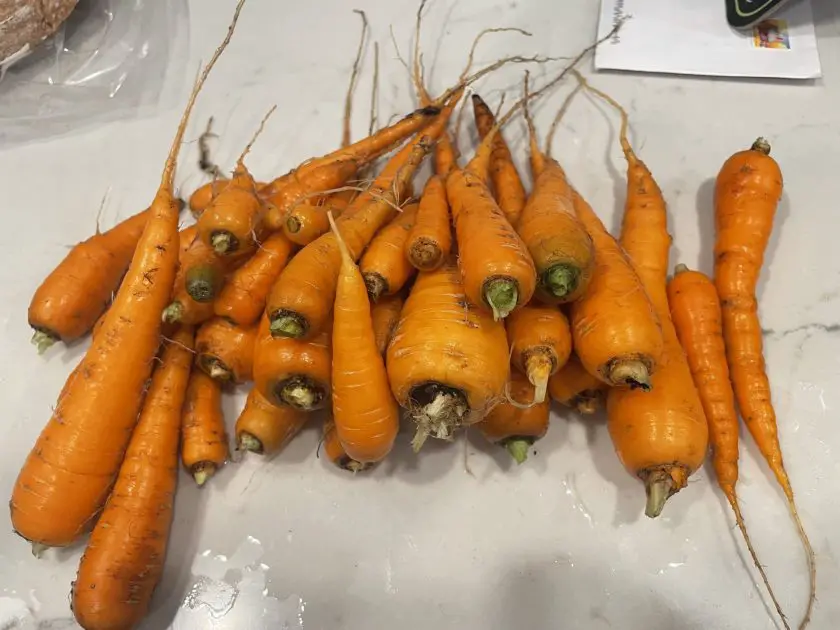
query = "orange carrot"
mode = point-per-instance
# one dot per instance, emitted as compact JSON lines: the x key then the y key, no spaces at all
{"x":243,"y":295}
{"x":540,"y":344}
{"x":265,"y":428}
{"x":205,"y":271}
{"x":384,"y":265}
{"x":203,"y":196}
{"x":225,"y":351}
{"x":204,"y":441}
{"x":69,"y":472}
{"x":447,"y":360}
{"x":336,"y":453}
{"x":385,"y":314}
{"x":307,"y":221}
{"x":365,"y":413}
{"x":292,"y":372}
{"x":518,"y":423}
{"x":183,"y":308}
{"x":185,"y":239}
{"x":430,"y":239}
{"x":572,"y":386}
{"x":747,"y":190}
{"x":695,"y":311}
{"x":124,"y":558}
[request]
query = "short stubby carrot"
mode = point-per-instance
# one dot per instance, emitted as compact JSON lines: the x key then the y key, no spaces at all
{"x":124,"y":558}
{"x":204,"y":440}
{"x":225,"y":350}
{"x":69,"y":473}
{"x":430,"y":238}
{"x":204,"y":271}
{"x":264,"y":428}
{"x":307,"y":221}
{"x":572,"y":386}
{"x":517,"y":423}
{"x":448,"y":360}
{"x":385,"y":314}
{"x":335,"y":451}
{"x":384,"y":265}
{"x":183,"y":308}
{"x":293,"y":372}
{"x":540,"y":344}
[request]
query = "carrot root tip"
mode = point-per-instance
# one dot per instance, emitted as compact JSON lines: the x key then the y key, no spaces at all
{"x":561,"y":280}
{"x":215,"y":368}
{"x":43,"y":340}
{"x":202,"y":283}
{"x":377,"y":286}
{"x":250,"y":443}
{"x":587,"y":402}
{"x":287,"y":324}
{"x":501,"y":295}
{"x":761,"y":145}
{"x":632,"y":373}
{"x":539,"y":366}
{"x":173,"y":313}
{"x":426,"y":254}
{"x":38,"y":549}
{"x":202,"y":471}
{"x":300,"y":392}
{"x":659,"y":486}
{"x":518,"y":449}
{"x":224,"y":242}
{"x":439,"y":417}
{"x":353,"y":466}
{"x":680,"y":268}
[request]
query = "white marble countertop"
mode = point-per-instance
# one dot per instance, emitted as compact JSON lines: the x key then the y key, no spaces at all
{"x":560,"y":542}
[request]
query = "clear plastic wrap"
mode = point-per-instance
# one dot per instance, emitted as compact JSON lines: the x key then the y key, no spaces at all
{"x":109,"y":60}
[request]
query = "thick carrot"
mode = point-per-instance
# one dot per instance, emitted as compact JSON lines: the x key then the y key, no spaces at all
{"x":244,"y":293}
{"x":572,"y":386}
{"x":510,"y":193}
{"x":294,"y":372}
{"x":430,"y":239}
{"x":384,"y":265}
{"x":124,"y":558}
{"x":265,"y":428}
{"x":335,"y":451}
{"x":385,"y":314}
{"x":540,"y":344}
{"x":69,"y":472}
{"x":300,"y":302}
{"x":747,"y":191}
{"x":225,"y":350}
{"x":517,"y":423}
{"x":204,"y":440}
{"x":448,"y":360}
{"x":695,"y":311}
{"x":660,"y":436}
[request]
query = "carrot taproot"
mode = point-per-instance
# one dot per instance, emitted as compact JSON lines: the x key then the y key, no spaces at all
{"x":294,"y":372}
{"x":660,"y":436}
{"x":385,"y":314}
{"x":335,"y":451}
{"x":367,"y":424}
{"x":448,"y":360}
{"x":124,"y":558}
{"x":225,"y":350}
{"x":68,"y":475}
{"x":696,"y":313}
{"x":540,"y":344}
{"x":748,"y":189}
{"x":384,"y":265}
{"x":517,"y":423}
{"x":301,"y":299}
{"x":265,"y":428}
{"x":244,"y":293}
{"x":572,"y":386}
{"x":204,"y":440}
{"x":430,"y":239}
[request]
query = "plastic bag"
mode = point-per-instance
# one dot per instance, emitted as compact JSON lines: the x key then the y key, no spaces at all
{"x":109,"y":60}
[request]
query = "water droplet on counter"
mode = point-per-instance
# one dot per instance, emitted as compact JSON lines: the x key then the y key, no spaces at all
{"x":577,"y":503}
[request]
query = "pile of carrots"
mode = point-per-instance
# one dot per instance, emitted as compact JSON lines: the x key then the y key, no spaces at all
{"x":345,"y":285}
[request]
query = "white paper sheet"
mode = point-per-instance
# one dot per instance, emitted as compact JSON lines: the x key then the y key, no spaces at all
{"x":693,"y":37}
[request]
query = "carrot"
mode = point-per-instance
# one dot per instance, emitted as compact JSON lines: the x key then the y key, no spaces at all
{"x":307,"y":221}
{"x":69,"y":472}
{"x":336,"y":453}
{"x":430,"y":239}
{"x":695,"y":311}
{"x":447,"y":360}
{"x":301,"y":299}
{"x":185,"y":239}
{"x":205,"y":271}
{"x":540,"y":344}
{"x":660,"y":436}
{"x":385,"y":314}
{"x":572,"y":386}
{"x":384,"y":265}
{"x":265,"y":428}
{"x":244,"y":293}
{"x":124,"y":558}
{"x":204,"y":442}
{"x":183,"y":308}
{"x":225,"y":351}
{"x":516,"y":424}
{"x":747,"y":191}
{"x":203,"y":196}
{"x":510,"y":193}
{"x":365,"y":413}
{"x":292,"y":372}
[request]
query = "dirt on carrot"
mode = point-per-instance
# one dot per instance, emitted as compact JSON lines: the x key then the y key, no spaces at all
{"x":225,"y":350}
{"x":430,"y":239}
{"x":572,"y":386}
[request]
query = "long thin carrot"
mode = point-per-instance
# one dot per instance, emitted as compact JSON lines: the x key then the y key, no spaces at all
{"x":69,"y":472}
{"x":660,"y":436}
{"x":225,"y":350}
{"x":385,"y":314}
{"x":204,"y":440}
{"x":125,"y":555}
{"x":335,"y":451}
{"x":747,"y":191}
{"x":695,"y":311}
{"x":430,"y":239}
{"x":517,"y":423}
{"x":294,"y":372}
{"x":574,"y":387}
{"x":265,"y":428}
{"x":384,"y":265}
{"x":540,"y":344}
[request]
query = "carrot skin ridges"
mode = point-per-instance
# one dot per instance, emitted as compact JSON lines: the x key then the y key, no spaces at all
{"x":384,"y":266}
{"x":335,"y":452}
{"x":385,"y":314}
{"x":233,"y":222}
{"x":430,"y":239}
{"x":264,"y":428}
{"x":225,"y":351}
